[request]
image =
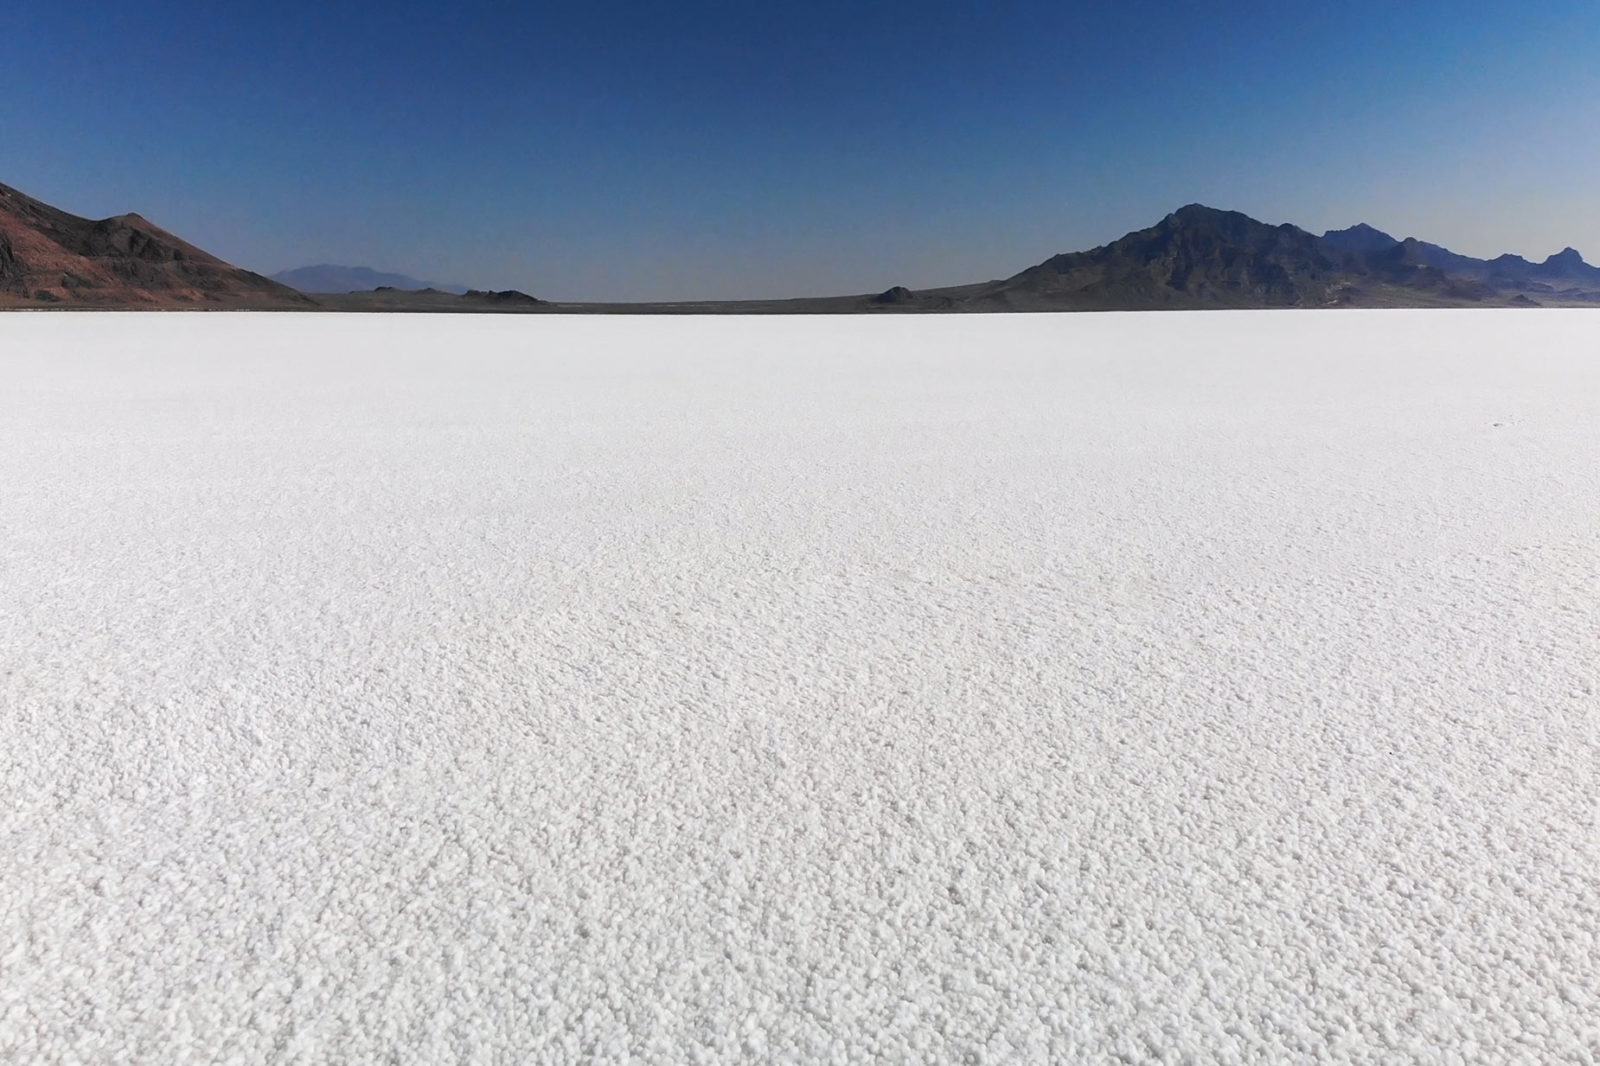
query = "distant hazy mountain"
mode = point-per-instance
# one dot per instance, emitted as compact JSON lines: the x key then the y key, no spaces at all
{"x":326,"y":278}
{"x":1566,"y":268}
{"x":1566,"y":264}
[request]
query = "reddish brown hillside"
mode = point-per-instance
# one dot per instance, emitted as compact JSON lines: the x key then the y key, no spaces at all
{"x":49,"y":258}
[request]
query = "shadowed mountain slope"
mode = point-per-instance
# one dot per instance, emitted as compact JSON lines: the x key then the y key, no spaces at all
{"x":51,"y":258}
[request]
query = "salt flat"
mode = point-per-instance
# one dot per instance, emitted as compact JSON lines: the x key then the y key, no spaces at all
{"x":1187,"y":687}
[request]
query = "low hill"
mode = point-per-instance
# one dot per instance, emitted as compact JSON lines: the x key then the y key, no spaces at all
{"x":433,"y":301}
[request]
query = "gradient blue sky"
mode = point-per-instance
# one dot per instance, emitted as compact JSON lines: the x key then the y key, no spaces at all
{"x":706,"y":149}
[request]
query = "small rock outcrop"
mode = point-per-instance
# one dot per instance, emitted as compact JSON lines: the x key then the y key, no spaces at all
{"x":899,"y":294}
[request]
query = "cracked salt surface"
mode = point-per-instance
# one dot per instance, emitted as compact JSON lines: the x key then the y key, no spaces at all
{"x":1154,"y":688}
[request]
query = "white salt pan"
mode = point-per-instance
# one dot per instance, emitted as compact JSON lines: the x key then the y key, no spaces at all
{"x":1214,"y":688}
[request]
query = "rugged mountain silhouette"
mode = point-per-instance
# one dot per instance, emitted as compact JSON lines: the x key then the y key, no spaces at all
{"x":1200,"y":257}
{"x":51,"y":258}
{"x":327,"y":278}
{"x":1196,"y":257}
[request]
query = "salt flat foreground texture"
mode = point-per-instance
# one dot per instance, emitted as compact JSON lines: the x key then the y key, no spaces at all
{"x":1211,"y":688}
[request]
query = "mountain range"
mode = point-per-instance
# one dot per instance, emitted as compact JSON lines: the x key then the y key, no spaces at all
{"x":1197,"y":257}
{"x":327,"y":278}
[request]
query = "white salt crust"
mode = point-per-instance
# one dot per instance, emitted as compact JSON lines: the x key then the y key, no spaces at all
{"x":1217,"y":688}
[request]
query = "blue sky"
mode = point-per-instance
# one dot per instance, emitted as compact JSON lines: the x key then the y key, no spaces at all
{"x":709,"y":149}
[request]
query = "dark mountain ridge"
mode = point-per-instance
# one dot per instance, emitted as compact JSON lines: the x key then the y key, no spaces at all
{"x":1195,"y":257}
{"x":1202,"y":257}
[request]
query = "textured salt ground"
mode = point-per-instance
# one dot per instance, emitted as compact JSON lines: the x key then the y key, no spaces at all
{"x":1213,"y":688}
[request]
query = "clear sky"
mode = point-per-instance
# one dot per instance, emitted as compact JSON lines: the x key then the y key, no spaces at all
{"x":650,"y":150}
